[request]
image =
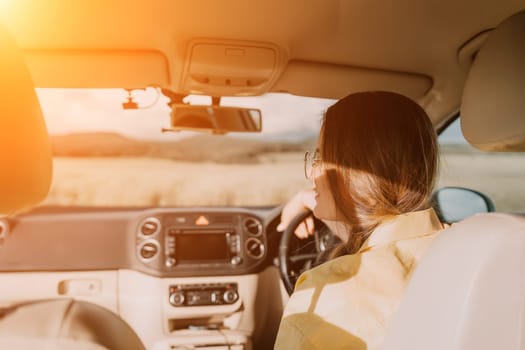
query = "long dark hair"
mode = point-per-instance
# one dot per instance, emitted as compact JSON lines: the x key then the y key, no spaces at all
{"x":380,"y":155}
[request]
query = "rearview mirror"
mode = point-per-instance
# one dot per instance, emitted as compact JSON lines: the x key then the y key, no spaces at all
{"x":215,"y":119}
{"x":454,"y":204}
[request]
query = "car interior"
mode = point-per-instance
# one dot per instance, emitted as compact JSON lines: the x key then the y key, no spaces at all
{"x":200,"y":263}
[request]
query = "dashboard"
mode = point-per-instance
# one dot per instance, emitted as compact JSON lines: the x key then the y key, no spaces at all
{"x":160,"y":242}
{"x":180,"y":277}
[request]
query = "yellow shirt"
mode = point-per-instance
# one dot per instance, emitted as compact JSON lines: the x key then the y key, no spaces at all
{"x":347,"y":302}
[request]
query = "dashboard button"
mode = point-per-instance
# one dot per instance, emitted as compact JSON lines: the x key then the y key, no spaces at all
{"x":230,"y":296}
{"x":236,"y":260}
{"x":170,"y":262}
{"x":177,"y":299}
{"x":215,"y":297}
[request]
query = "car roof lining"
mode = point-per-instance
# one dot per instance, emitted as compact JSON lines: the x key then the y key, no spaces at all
{"x":336,"y":34}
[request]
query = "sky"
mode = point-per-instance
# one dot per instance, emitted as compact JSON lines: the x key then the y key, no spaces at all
{"x":90,"y":110}
{"x":452,"y":134}
{"x":285,"y":117}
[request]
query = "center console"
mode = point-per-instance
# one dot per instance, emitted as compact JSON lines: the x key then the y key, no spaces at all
{"x":204,"y":244}
{"x":209,"y":263}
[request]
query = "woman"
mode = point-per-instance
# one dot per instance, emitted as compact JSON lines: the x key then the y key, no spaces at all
{"x":373,"y":174}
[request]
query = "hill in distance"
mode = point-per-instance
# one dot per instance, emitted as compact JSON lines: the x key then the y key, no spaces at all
{"x":214,"y":148}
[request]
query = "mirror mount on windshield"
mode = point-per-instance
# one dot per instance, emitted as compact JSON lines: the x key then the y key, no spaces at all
{"x":174,"y":97}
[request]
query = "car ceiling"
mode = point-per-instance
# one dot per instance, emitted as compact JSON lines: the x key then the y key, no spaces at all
{"x":327,"y":48}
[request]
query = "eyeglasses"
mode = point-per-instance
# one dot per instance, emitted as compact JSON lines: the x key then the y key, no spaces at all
{"x":311,"y":160}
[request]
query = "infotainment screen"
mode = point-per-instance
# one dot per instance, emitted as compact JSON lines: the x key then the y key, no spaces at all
{"x":201,"y":247}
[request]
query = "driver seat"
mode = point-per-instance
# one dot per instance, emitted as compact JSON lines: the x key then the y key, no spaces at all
{"x":25,"y":155}
{"x":468,"y":292}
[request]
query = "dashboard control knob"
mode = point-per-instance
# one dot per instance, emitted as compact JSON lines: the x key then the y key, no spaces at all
{"x":148,"y":250}
{"x":170,"y":262}
{"x":177,"y":298}
{"x":236,"y":260}
{"x":230,"y":296}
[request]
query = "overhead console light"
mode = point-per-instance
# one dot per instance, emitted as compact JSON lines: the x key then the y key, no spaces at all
{"x":222,"y":67}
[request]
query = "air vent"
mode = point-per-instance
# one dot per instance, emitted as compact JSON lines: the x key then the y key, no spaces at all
{"x":149,"y":227}
{"x":254,"y":248}
{"x":252,"y":226}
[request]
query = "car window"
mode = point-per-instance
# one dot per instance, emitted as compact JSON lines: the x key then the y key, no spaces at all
{"x":107,"y":156}
{"x":498,"y":175}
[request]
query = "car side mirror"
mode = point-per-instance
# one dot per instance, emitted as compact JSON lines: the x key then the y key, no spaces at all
{"x":454,"y":204}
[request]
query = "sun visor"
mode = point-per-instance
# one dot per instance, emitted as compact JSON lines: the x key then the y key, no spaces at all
{"x":218,"y":68}
{"x":25,"y":151}
{"x":107,"y":68}
{"x":329,"y":80}
{"x":493,"y":106}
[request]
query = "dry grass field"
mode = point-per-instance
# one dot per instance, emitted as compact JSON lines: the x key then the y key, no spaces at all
{"x":271,"y":180}
{"x":162,"y":182}
{"x":106,"y":169}
{"x":498,"y":175}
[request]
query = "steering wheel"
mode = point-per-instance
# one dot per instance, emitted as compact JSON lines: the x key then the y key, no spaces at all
{"x":298,"y":255}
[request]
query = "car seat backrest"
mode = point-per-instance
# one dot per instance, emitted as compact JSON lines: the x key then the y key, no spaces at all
{"x":468,"y":291}
{"x":25,"y":176}
{"x":25,"y":151}
{"x":493,"y":102}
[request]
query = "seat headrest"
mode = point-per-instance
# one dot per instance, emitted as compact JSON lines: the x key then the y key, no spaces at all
{"x":25,"y":151}
{"x":493,"y":107}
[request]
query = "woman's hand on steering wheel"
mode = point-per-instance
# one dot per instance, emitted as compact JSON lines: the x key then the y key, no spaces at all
{"x":303,"y":201}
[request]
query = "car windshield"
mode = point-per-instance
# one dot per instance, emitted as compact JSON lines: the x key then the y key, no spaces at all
{"x":105,"y":155}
